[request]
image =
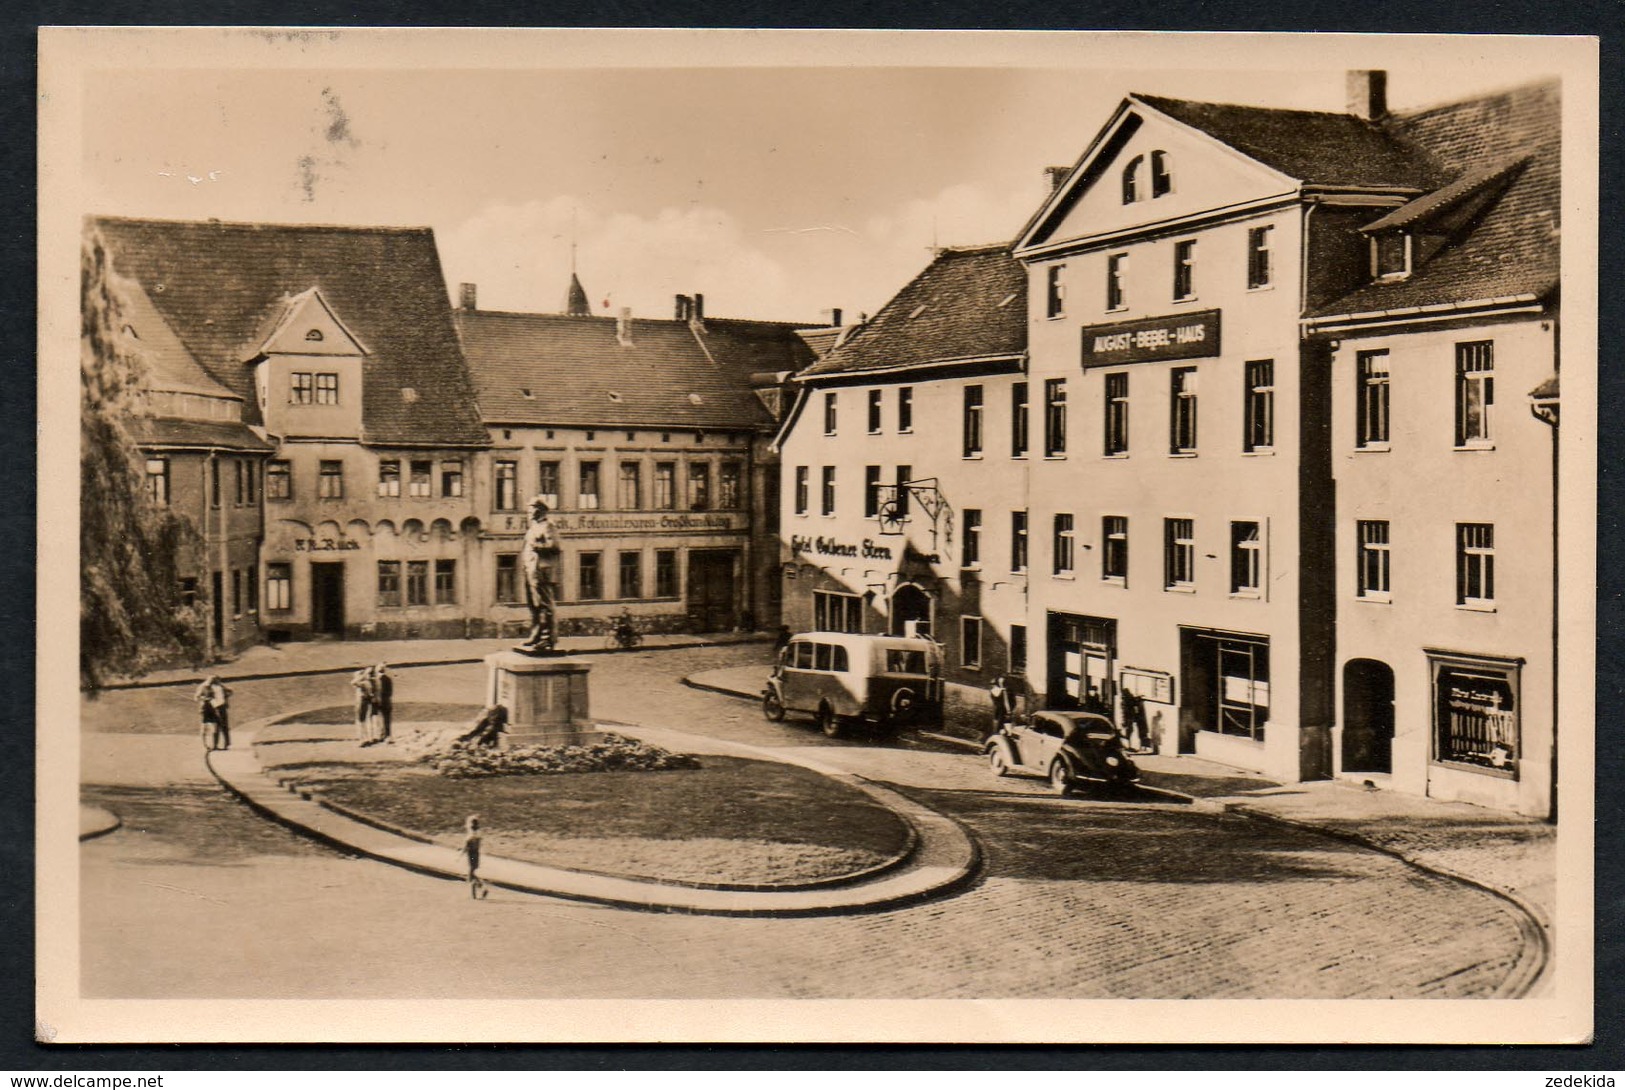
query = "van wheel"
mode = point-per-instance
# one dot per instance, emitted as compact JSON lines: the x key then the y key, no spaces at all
{"x":1060,"y":782}
{"x":829,"y":722}
{"x":773,"y":707}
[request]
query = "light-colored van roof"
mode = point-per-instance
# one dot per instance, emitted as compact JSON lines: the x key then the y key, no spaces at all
{"x":857,"y":639}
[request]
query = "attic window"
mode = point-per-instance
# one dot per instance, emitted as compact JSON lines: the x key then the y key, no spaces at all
{"x":615,"y":396}
{"x":129,"y":331}
{"x":409,"y":395}
{"x":1162,"y":182}
{"x":313,"y":335}
{"x":525,"y":392}
{"x":1131,"y":179}
{"x":695,"y":399}
{"x":1391,"y":255}
{"x":917,"y":311}
{"x":1006,"y":301}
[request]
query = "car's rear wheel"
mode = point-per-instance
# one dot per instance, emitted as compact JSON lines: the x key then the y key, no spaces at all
{"x":996,"y":761}
{"x":1060,"y":780}
{"x":829,"y":722}
{"x":772,"y":706}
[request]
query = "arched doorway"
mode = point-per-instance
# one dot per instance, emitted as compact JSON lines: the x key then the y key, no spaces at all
{"x":1368,"y":716}
{"x":910,"y":603}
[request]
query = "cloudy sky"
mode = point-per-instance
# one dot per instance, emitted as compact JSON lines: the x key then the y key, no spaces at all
{"x":778,"y":192}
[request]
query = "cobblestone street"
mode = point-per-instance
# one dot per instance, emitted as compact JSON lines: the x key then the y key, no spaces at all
{"x":1078,"y":897}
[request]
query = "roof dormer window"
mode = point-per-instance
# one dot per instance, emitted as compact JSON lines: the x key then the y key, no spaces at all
{"x":1391,"y":255}
{"x":313,"y":335}
{"x":1162,"y":182}
{"x":1131,"y":179}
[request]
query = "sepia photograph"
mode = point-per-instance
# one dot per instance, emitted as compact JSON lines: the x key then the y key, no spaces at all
{"x":816,"y":536}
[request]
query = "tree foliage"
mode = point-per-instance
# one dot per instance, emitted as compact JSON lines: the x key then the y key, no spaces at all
{"x":131,"y":551}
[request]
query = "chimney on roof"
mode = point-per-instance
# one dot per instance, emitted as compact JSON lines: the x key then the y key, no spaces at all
{"x":467,"y":296}
{"x":682,"y":308}
{"x":696,"y":313}
{"x":1368,"y":93}
{"x":623,"y":328}
{"x":835,"y":316}
{"x":1056,"y":176}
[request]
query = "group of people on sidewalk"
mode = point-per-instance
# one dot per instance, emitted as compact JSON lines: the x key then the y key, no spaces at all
{"x":374,"y":704}
{"x":1010,"y":697}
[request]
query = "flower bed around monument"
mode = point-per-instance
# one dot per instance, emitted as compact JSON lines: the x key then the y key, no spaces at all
{"x":611,"y":753}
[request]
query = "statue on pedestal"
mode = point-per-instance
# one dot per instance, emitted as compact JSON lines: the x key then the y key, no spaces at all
{"x":538,"y":559}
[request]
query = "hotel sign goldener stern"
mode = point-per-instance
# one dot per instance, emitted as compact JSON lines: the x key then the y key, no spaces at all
{"x":1144,"y":340}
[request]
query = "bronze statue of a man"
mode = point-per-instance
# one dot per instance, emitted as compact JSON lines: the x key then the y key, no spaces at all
{"x":538,"y":559}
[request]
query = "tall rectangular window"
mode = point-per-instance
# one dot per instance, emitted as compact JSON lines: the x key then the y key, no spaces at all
{"x":1182,"y":411}
{"x":871,"y":491}
{"x":1258,"y":257}
{"x":905,"y":408}
{"x":875,"y":397}
{"x":1185,"y":269}
{"x":278,"y":481}
{"x":214,"y":481}
{"x":301,"y":388}
{"x":589,"y":487}
{"x":1018,"y":648}
{"x":240,"y":473}
{"x":665,"y":573}
{"x":389,"y":479}
{"x":158,"y":481}
{"x":251,"y":479}
{"x":631,"y":574}
{"x":330,"y":480}
{"x":547,"y":483}
{"x":905,"y":474}
{"x":730,"y":486}
{"x":1114,"y":548}
{"x":251,"y":587}
{"x":1019,"y":425}
{"x":971,"y":537}
{"x":972,"y":430}
{"x":836,"y":612}
{"x":802,"y":499}
{"x":666,"y":485}
{"x":236,"y":592}
{"x":1371,"y":560}
{"x":327,"y":388}
{"x":421,"y":484}
{"x":451,"y":479}
{"x":1475,"y":392}
{"x":389,"y":582}
{"x":829,"y":412}
{"x":1371,"y":399}
{"x":827,"y":501}
{"x":1018,"y":541}
{"x":970,"y":642}
{"x":507,"y":578}
{"x":1116,"y":271}
{"x":699,"y":486}
{"x":1063,"y":545}
{"x":1116,"y":413}
{"x":1178,"y":553}
{"x":631,"y":486}
{"x":505,"y":496}
{"x":1246,"y":559}
{"x":1475,"y":564}
{"x":279,"y":586}
{"x":417,"y":582}
{"x":590,"y":572}
{"x":445,"y":582}
{"x":1054,"y":417}
{"x":1054,"y":292}
{"x":1258,"y":425}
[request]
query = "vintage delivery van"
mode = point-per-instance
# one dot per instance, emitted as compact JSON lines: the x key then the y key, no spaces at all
{"x":842,"y":679}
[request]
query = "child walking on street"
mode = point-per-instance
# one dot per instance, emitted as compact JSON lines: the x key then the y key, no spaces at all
{"x":471,"y":849}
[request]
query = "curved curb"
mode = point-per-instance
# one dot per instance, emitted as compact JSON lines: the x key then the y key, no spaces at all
{"x":95,"y":821}
{"x":1536,"y":950}
{"x":944,"y":858}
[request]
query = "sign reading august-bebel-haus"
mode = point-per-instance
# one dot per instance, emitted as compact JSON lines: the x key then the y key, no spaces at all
{"x":1143,"y":340}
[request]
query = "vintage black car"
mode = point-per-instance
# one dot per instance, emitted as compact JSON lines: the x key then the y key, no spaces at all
{"x":1070,"y":748}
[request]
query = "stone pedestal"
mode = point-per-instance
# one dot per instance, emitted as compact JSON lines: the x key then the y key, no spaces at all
{"x":546,"y":698}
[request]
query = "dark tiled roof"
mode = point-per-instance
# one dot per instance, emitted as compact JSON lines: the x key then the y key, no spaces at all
{"x":1511,"y":247}
{"x":1314,"y":147}
{"x":968,"y":303}
{"x":217,"y":284}
{"x":820,"y":340}
{"x":170,"y":366}
{"x":579,"y":374}
{"x":1445,"y":198}
{"x":748,"y":347}
{"x":169,"y":432}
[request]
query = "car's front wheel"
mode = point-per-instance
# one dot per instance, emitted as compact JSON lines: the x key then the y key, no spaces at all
{"x":1060,"y":780}
{"x":772,"y":706}
{"x":997,"y":762}
{"x":829,"y":722}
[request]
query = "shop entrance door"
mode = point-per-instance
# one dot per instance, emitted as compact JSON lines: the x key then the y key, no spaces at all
{"x":713,"y":595}
{"x":327,"y":599}
{"x":910,"y":603}
{"x":1082,"y":651}
{"x":1368,"y":716}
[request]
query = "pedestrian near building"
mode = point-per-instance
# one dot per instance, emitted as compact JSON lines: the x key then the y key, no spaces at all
{"x":214,"y":713}
{"x":782,"y":640}
{"x":999,"y":691}
{"x":471,"y":851}
{"x":362,"y":682}
{"x":383,"y":699}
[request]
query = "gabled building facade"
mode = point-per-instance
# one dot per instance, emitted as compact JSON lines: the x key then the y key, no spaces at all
{"x":905,"y":462}
{"x":649,"y":440}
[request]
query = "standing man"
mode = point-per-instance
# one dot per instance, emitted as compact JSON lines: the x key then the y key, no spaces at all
{"x":214,"y":709}
{"x":383,"y":698}
{"x":361,"y":681}
{"x":999,"y":692}
{"x":537,"y":559}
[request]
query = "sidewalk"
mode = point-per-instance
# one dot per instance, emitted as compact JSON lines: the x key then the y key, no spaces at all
{"x":1508,"y":854}
{"x":342,"y":656}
